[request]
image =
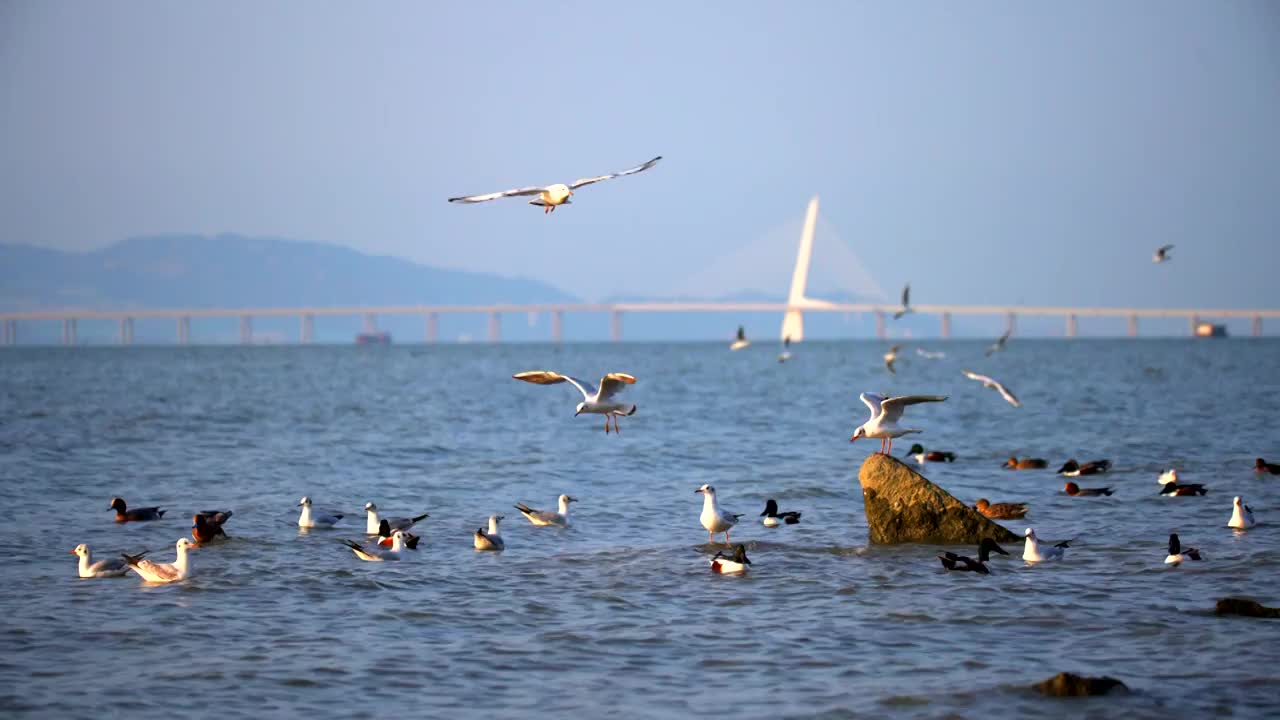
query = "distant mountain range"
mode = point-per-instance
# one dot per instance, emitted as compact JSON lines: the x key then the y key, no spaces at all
{"x":231,"y":271}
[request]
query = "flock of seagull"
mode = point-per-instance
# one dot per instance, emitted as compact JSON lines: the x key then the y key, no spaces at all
{"x":392,"y":539}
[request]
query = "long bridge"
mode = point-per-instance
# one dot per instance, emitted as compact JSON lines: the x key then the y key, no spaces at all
{"x":793,"y":312}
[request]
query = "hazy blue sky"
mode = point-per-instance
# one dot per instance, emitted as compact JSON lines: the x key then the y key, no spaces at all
{"x":987,"y":152}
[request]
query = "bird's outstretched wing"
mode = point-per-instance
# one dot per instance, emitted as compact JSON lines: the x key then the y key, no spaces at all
{"x":999,"y":345}
{"x":980,"y":378}
{"x":614,"y":383}
{"x":892,"y":407}
{"x":549,"y":377}
{"x":1008,"y":396}
{"x":906,"y":295}
{"x":496,"y":195}
{"x":872,"y":401}
{"x":629,"y":171}
{"x":1164,"y":249}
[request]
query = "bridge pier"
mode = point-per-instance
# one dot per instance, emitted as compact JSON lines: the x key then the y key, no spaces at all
{"x":433,"y":327}
{"x":69,"y":331}
{"x":307,"y":329}
{"x":557,"y":326}
{"x":126,"y":331}
{"x":1195,"y":320}
{"x":1071,"y":325}
{"x":1133,"y":326}
{"x":946,"y":325}
{"x":1011,"y":323}
{"x":246,"y":329}
{"x":10,"y":333}
{"x":880,"y":330}
{"x":1257,"y":326}
{"x":495,"y":327}
{"x":184,"y":330}
{"x":615,"y":325}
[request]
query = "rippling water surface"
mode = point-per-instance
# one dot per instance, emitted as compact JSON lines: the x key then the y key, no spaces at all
{"x":619,"y":613}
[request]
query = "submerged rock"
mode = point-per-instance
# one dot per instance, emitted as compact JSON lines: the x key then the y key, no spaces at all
{"x":1069,"y":685}
{"x":1246,"y":607}
{"x":902,"y":506}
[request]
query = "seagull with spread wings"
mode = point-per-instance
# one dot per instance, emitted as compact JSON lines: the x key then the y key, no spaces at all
{"x":999,"y":344}
{"x":885,"y":414}
{"x":992,"y":383}
{"x":891,"y":357}
{"x":906,"y":302}
{"x":1162,"y":254}
{"x":552,"y":196}
{"x":598,"y":401}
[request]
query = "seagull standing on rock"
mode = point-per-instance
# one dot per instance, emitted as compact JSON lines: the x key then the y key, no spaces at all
{"x":594,"y":401}
{"x":713,"y":518}
{"x":885,"y":414}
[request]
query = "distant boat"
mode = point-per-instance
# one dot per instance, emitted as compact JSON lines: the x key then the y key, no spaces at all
{"x":1210,"y":330}
{"x":379,"y":337}
{"x":742,"y":340}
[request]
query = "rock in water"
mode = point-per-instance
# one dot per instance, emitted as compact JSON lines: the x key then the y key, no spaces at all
{"x":902,"y":506}
{"x":1246,"y":607}
{"x":1068,"y":685}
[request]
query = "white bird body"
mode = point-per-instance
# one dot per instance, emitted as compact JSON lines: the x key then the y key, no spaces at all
{"x":549,"y":197}
{"x":115,"y":567}
{"x":885,"y":414}
{"x":1241,"y":515}
{"x":373,"y":521}
{"x":155,"y":572}
{"x":546,"y":518}
{"x":1162,"y":254}
{"x":741,"y":340}
{"x":377,"y":553}
{"x":992,"y":383}
{"x":315,"y":519}
{"x":596,"y":401}
{"x":713,"y":518}
{"x":1032,"y":552}
{"x":891,"y":357}
{"x":491,"y":540}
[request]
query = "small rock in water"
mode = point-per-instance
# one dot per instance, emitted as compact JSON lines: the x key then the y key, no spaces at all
{"x":1246,"y":607}
{"x":1070,"y":685}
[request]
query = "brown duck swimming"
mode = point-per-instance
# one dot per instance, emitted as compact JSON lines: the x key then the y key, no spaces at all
{"x":1001,"y":511}
{"x":123,"y":514}
{"x":1076,"y":491}
{"x":1014,"y":463}
{"x":207,"y":525}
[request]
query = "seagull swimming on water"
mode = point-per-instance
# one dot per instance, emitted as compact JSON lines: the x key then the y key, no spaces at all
{"x":999,"y":344}
{"x":87,"y":568}
{"x":885,"y":413}
{"x":1241,"y":515}
{"x":596,"y":401}
{"x":1162,"y":254}
{"x":490,"y":540}
{"x":992,"y":383}
{"x":906,"y":302}
{"x":713,"y":518}
{"x":545,"y":518}
{"x":1032,"y":553}
{"x":372,"y":521}
{"x":552,"y":196}
{"x":156,"y":572}
{"x":314,"y":518}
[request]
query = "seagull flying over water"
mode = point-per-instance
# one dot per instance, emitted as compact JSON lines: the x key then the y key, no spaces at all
{"x":990,"y":383}
{"x":885,"y":413}
{"x":552,"y":196}
{"x":890,"y":358}
{"x":1162,"y":254}
{"x":999,"y":344}
{"x":906,"y":302}
{"x":598,"y":401}
{"x":930,"y":355}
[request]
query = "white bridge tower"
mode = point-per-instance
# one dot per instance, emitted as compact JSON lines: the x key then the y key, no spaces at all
{"x":793,"y":321}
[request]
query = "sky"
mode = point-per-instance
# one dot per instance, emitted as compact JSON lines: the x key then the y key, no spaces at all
{"x":985,"y":152}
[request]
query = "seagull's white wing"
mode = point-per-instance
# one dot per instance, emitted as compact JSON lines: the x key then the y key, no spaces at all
{"x":495,"y":196}
{"x":1008,"y":396}
{"x":892,"y":407}
{"x":548,"y":377}
{"x":872,"y":401}
{"x":156,"y":572}
{"x":980,"y":378}
{"x":629,"y":171}
{"x":614,"y":383}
